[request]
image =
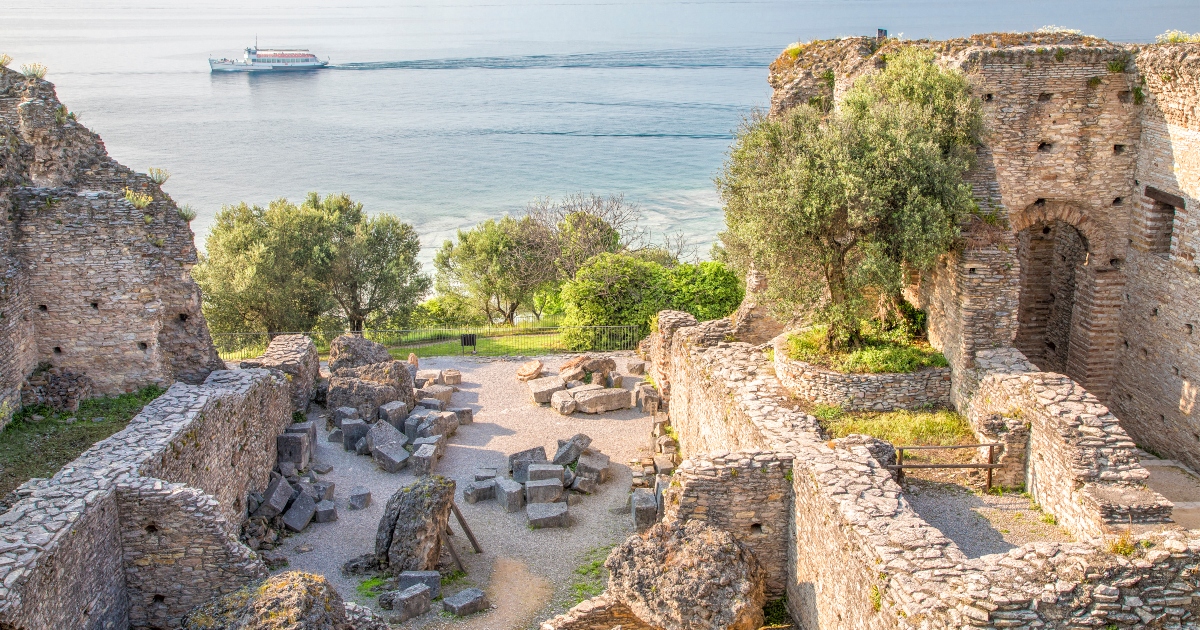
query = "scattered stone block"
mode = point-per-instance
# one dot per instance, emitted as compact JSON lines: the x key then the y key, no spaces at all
{"x":537,"y":454}
{"x":431,"y":579}
{"x":362,"y":394}
{"x":643,"y":508}
{"x":276,"y":498}
{"x":543,"y":491}
{"x":326,"y":512}
{"x":510,"y":494}
{"x":423,"y":459}
{"x":529,"y":371}
{"x":391,"y":457}
{"x":361,"y":447}
{"x":571,"y":449}
{"x":539,"y":472}
{"x":382,"y":433}
{"x":636,"y":368}
{"x":438,"y":442}
{"x":408,"y":603}
{"x":475,"y":491}
{"x":308,"y":427}
{"x":360,"y":498}
{"x":574,"y":384}
{"x":587,"y":485}
{"x":542,"y":515}
{"x":602,"y":400}
{"x":572,"y":373}
{"x":287,"y":469}
{"x":440,"y":392}
{"x":648,"y":399}
{"x":430,"y":377}
{"x":563,"y":402}
{"x":594,"y":464}
{"x":614,"y":381}
{"x":344,"y":413}
{"x":294,"y":448}
{"x":409,"y":536}
{"x":542,"y":389}
{"x":465,"y":602}
{"x":464,"y":415}
{"x":568,"y":477}
{"x":335,"y":436}
{"x":630,"y":382}
{"x":485,"y":473}
{"x":431,"y":403}
{"x":301,"y":513}
{"x":520,"y":472}
{"x":322,"y":469}
{"x":664,"y":465}
{"x":323,"y":490}
{"x":353,"y":431}
{"x":438,"y":423}
{"x":414,"y":421}
{"x":451,"y":377}
{"x":394,"y":413}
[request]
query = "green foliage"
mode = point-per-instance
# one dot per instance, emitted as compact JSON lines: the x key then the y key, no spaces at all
{"x":137,"y":200}
{"x":832,"y":205}
{"x":875,"y":354}
{"x":775,"y":612}
{"x":453,"y":577}
{"x":38,"y":448}
{"x":158,"y":176}
{"x":5,"y":60}
{"x":1060,"y":54}
{"x":186,"y":213}
{"x":1139,"y":96}
{"x":1094,"y":82}
{"x":613,"y":290}
{"x":34,"y":71}
{"x":876,"y":597}
{"x":283,"y":267}
{"x":370,"y":587}
{"x":1178,"y":37}
{"x":62,"y":115}
{"x":939,"y":427}
{"x":707,"y":290}
{"x":446,"y":311}
{"x":298,"y":416}
{"x":590,"y":575}
{"x":1122,"y":545}
{"x":1117,"y":66}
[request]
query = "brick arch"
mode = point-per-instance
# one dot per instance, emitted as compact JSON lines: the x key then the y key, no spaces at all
{"x":1068,"y":212}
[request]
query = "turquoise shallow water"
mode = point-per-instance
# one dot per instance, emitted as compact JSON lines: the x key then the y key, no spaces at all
{"x":445,"y":113}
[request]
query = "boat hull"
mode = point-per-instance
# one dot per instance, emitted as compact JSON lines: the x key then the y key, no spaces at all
{"x":245,"y":67}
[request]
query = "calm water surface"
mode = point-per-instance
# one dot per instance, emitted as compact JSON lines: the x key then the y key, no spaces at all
{"x":446,"y":113}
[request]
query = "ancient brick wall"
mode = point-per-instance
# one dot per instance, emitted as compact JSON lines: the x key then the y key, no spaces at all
{"x":746,"y":494}
{"x":598,"y":613}
{"x":91,"y":283}
{"x":68,"y":544}
{"x":296,"y":356}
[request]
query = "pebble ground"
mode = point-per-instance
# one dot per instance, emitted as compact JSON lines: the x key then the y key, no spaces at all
{"x":528,"y":574}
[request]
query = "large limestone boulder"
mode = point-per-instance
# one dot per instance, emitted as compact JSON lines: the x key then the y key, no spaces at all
{"x":688,"y":577}
{"x":529,"y":371}
{"x":602,"y":400}
{"x":365,"y":396}
{"x":542,"y":389}
{"x":409,"y":534}
{"x":394,"y":374}
{"x":350,"y":351}
{"x":288,"y":601}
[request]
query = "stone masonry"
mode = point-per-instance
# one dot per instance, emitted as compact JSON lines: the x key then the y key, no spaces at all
{"x":88,"y":282}
{"x":143,"y":525}
{"x":295,"y":356}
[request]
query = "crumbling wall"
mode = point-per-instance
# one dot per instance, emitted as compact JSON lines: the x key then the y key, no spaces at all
{"x":296,"y":356}
{"x":746,"y":494}
{"x":63,"y":560}
{"x":602,"y":612}
{"x":90,"y":282}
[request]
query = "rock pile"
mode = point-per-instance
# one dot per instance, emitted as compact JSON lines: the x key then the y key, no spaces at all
{"x":293,"y":600}
{"x":590,"y":384}
{"x":688,"y":576}
{"x":295,"y":496}
{"x":649,"y":472}
{"x":56,"y":387}
{"x":543,"y":487}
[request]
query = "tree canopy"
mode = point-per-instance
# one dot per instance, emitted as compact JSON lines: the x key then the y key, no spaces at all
{"x":835,"y":205}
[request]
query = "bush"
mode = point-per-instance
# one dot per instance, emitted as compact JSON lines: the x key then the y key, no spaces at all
{"x":876,"y":354}
{"x":34,"y":71}
{"x":446,"y":311}
{"x":708,"y":290}
{"x":613,"y":290}
{"x":1178,"y":37}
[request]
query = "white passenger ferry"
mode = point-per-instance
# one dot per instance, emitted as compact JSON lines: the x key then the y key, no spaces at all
{"x":262,"y":60}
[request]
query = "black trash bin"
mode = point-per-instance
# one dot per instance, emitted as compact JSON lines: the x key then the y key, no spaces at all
{"x":467,"y":339}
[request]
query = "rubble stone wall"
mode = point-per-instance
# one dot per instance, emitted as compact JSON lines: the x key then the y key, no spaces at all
{"x":860,"y":557}
{"x":746,"y":494}
{"x":602,"y":612}
{"x":88,"y":281}
{"x":296,"y":356}
{"x":861,"y":392}
{"x":66,"y":546}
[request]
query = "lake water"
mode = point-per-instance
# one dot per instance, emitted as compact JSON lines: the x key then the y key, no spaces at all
{"x":446,"y":113}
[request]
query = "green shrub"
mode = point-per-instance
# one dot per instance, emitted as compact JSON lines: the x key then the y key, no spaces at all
{"x":187,"y":213}
{"x":1116,"y":66}
{"x":613,"y":290}
{"x":877,"y":354}
{"x":708,"y":290}
{"x":137,"y":200}
{"x":939,"y":427}
{"x":1178,"y":37}
{"x":158,"y":175}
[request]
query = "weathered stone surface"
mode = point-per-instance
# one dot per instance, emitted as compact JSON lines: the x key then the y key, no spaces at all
{"x":587,"y":485}
{"x":593,"y":464}
{"x":438,"y":441}
{"x":464,"y":414}
{"x":335,"y":436}
{"x":438,"y":423}
{"x":643,"y":509}
{"x":510,"y":494}
{"x":382,"y":433}
{"x":535,"y":454}
{"x":485,"y":473}
{"x":466,"y":602}
{"x":296,"y":356}
{"x":351,"y":351}
{"x":408,"y":603}
{"x":360,"y":498}
{"x":572,"y":373}
{"x":414,"y":421}
{"x":544,"y":491}
{"x":293,"y":600}
{"x":352,"y":432}
{"x":663,"y":465}
{"x":563,"y":402}
{"x":432,"y":403}
{"x":688,"y":577}
{"x":570,"y":450}
{"x":276,"y":498}
{"x":475,"y":491}
{"x":602,"y":400}
{"x":294,"y":448}
{"x":637,"y":368}
{"x":451,"y":377}
{"x":365,"y":396}
{"x":529,"y":371}
{"x":599,"y":368}
{"x":307,"y":427}
{"x":543,"y":515}
{"x":424,"y":459}
{"x":301,"y":513}
{"x":361,"y":448}
{"x":542,"y":389}
{"x":432,"y":579}
{"x":395,"y":413}
{"x":409,"y":533}
{"x":429,"y":377}
{"x":539,"y":472}
{"x":630,"y":382}
{"x":326,"y":512}
{"x":440,"y":392}
{"x":344,"y":413}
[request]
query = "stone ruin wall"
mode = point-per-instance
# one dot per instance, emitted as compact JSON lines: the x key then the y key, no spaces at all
{"x":1093,"y":154}
{"x":143,"y":525}
{"x":860,"y":557}
{"x":87,"y":281}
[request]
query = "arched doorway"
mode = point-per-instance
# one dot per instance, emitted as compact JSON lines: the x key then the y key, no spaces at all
{"x":1053,"y":256}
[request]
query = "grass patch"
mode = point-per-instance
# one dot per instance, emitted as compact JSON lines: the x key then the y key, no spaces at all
{"x":38,"y":448}
{"x":878,"y":354}
{"x":453,"y":577}
{"x":370,"y":587}
{"x":1123,"y":545}
{"x":775,"y":613}
{"x":939,"y":427}
{"x":590,"y":576}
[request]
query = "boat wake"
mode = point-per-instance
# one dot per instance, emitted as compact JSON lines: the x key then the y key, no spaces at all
{"x":688,"y":58}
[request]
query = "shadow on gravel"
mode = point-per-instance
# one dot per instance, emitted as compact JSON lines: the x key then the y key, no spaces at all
{"x":954,"y":510}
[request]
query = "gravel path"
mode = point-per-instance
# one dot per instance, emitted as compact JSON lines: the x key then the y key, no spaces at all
{"x":980,"y":523}
{"x":528,"y":574}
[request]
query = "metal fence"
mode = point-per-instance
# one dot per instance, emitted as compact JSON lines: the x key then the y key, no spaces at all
{"x":432,"y":342}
